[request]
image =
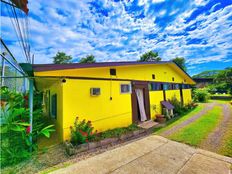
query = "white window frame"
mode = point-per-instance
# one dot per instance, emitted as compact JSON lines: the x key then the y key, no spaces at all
{"x":129,"y":92}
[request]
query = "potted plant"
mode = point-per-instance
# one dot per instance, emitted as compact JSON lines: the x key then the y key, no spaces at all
{"x":160,"y":118}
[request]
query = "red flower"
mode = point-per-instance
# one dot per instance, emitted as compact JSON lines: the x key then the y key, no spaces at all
{"x":28,"y":129}
{"x":83,"y":133}
{"x":86,"y":140}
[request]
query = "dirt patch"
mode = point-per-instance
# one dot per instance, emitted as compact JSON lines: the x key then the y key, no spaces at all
{"x":208,"y":106}
{"x":214,"y":140}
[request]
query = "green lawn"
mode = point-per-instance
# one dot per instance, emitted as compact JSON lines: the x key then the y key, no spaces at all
{"x":221,"y":101}
{"x":197,"y":131}
{"x":177,"y":120}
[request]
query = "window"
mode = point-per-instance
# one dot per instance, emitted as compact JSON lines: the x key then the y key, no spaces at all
{"x":113,"y":72}
{"x":125,"y":88}
{"x":155,"y":86}
{"x":175,"y":86}
{"x":54,"y":106}
{"x":186,"y":86}
{"x":153,"y":76}
{"x":165,"y":86}
{"x":173,"y":79}
{"x":95,"y":91}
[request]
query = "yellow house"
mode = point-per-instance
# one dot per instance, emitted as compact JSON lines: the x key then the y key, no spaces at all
{"x":109,"y":94}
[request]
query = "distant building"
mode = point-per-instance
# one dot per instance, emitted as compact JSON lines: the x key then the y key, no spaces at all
{"x":202,"y":82}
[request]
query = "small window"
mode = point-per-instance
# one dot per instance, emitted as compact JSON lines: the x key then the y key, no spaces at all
{"x":186,"y":86}
{"x":173,"y":79}
{"x":125,"y":88}
{"x":95,"y":91}
{"x":153,"y":76}
{"x":113,"y":72}
{"x":175,"y":86}
{"x":54,"y":106}
{"x":165,"y":86}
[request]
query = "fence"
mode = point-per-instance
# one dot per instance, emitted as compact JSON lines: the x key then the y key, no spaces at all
{"x":12,"y":75}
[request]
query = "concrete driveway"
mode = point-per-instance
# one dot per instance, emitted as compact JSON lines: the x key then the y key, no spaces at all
{"x":153,"y":154}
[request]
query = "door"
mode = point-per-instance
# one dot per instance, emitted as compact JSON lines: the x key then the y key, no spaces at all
{"x":140,"y":102}
{"x":141,"y":106}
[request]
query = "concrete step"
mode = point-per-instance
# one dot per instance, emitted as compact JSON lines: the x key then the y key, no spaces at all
{"x":148,"y":124}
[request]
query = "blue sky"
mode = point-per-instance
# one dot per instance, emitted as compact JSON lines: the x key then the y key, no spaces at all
{"x":199,"y":30}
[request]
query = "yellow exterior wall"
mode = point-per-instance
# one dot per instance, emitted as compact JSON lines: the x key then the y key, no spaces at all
{"x":187,"y":96}
{"x":58,"y":122}
{"x":172,"y":93}
{"x":103,"y":112}
{"x":155,"y":98}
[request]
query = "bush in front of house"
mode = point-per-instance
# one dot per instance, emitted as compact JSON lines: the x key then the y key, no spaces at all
{"x":201,"y":95}
{"x":82,"y":132}
{"x":179,"y":108}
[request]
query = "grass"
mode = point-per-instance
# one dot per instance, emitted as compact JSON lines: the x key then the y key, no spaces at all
{"x":197,"y":131}
{"x":179,"y":119}
{"x":220,"y":95}
{"x":221,"y":101}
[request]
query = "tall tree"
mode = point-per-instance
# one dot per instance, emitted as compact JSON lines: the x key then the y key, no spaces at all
{"x":62,"y":58}
{"x":88,"y":59}
{"x":181,"y":62}
{"x":149,"y":56}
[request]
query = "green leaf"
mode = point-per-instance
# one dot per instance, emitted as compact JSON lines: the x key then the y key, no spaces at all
{"x":49,"y":126}
{"x":17,"y":128}
{"x":23,"y":124}
{"x":46,"y":133}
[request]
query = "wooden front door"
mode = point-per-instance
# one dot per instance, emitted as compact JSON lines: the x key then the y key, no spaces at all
{"x":135,"y":108}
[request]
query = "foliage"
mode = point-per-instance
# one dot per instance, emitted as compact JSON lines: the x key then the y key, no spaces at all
{"x":82,"y":132}
{"x":117,"y":132}
{"x":225,"y":77}
{"x":150,"y":56}
{"x":179,"y":108}
{"x":15,"y":129}
{"x":180,"y":61}
{"x":222,"y":80}
{"x":218,"y":88}
{"x":201,"y":95}
{"x":88,"y":59}
{"x":61,"y":58}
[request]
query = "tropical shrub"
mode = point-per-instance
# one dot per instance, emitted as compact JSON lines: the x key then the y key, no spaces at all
{"x":179,"y":107}
{"x":82,"y":132}
{"x":16,"y":144}
{"x":201,"y":95}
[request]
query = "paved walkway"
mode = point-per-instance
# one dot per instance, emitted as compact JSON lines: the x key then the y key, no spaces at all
{"x":207,"y":107}
{"x":152,"y":154}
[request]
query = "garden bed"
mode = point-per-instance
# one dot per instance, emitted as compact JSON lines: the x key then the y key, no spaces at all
{"x":110,"y":137}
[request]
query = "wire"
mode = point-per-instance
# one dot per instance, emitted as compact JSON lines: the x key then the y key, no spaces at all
{"x":20,"y":24}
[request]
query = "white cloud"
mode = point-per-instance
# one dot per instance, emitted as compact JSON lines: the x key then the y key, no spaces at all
{"x":75,"y":29}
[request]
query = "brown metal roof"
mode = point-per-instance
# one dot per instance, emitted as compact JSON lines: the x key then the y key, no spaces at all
{"x":50,"y":67}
